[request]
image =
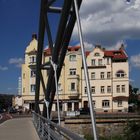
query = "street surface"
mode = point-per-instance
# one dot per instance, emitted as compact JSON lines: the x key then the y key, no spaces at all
{"x":18,"y":129}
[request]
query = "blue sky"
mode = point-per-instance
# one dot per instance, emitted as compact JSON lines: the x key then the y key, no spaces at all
{"x":104,"y":22}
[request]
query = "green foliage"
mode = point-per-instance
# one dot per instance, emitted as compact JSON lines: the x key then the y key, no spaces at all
{"x":132,"y":131}
{"x":5,"y":101}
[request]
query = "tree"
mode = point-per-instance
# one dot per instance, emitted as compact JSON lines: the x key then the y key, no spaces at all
{"x":132,"y":131}
{"x":133,"y":97}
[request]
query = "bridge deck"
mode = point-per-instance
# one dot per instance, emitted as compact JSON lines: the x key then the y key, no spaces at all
{"x":18,"y":129}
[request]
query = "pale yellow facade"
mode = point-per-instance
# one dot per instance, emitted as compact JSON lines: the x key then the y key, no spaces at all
{"x":109,"y":79}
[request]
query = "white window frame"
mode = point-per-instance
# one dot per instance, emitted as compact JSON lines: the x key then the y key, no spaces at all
{"x":102,"y":75}
{"x":32,"y":88}
{"x":93,"y":62}
{"x":33,"y":73}
{"x":118,"y":90}
{"x":105,"y":103}
{"x":72,"y":71}
{"x":120,"y":103}
{"x":108,"y":89}
{"x":72,"y":57}
{"x":73,"y":86}
{"x":102,"y":89}
{"x":92,"y":75}
{"x":100,"y":62}
{"x":123,"y":88}
{"x":93,"y":89}
{"x":108,"y":75}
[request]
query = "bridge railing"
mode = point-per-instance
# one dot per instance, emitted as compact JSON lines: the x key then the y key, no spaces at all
{"x":48,"y":130}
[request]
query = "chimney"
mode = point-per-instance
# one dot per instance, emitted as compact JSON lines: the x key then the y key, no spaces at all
{"x":98,"y":46}
{"x":103,"y":49}
{"x":34,"y":36}
{"x":122,"y":47}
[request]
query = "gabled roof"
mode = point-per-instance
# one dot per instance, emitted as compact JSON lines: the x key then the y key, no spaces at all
{"x":74,"y":48}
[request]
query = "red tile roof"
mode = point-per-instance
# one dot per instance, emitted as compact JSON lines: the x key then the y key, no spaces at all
{"x":115,"y":54}
{"x":47,"y":52}
{"x":75,"y":48}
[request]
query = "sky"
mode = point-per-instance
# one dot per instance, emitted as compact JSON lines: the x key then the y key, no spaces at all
{"x":106,"y":22}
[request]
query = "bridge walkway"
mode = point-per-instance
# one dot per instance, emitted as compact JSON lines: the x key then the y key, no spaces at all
{"x":18,"y":129}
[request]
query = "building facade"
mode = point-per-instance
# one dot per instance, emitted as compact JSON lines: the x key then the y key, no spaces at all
{"x":108,"y":73}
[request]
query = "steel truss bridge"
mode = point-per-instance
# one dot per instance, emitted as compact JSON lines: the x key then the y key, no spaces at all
{"x":69,"y":14}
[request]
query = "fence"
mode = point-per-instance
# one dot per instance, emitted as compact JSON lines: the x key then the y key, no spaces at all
{"x":48,"y":130}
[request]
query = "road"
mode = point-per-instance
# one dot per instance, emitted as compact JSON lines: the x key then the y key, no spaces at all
{"x":18,"y":129}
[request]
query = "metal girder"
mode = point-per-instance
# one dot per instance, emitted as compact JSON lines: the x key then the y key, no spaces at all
{"x":58,"y":47}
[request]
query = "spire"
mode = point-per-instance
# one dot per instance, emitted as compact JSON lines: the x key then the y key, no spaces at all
{"x":34,"y":36}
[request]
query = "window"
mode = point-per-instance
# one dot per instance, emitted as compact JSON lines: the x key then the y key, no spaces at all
{"x":118,"y":88}
{"x":105,"y":103}
{"x":73,"y":86}
{"x":100,"y":62}
{"x":32,"y":88}
{"x":119,"y":103}
{"x":32,"y":59}
{"x":96,"y":54}
{"x":108,"y":75}
{"x":93,"y":90}
{"x":24,"y":90}
{"x":107,"y":61}
{"x":120,"y":74}
{"x":23,"y":75}
{"x":123,"y":88}
{"x":59,"y":87}
{"x":108,"y":89}
{"x":93,"y":75}
{"x":72,"y":57}
{"x":33,"y":73}
{"x":94,"y":103}
{"x":72,"y":71}
{"x":102,"y":89}
{"x":102,"y":75}
{"x":93,"y":62}
{"x":85,"y":90}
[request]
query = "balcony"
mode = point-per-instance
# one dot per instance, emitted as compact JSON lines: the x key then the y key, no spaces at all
{"x":73,"y":77}
{"x":73,"y":95}
{"x":32,"y":64}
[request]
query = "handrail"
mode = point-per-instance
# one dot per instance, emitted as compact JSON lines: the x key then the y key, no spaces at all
{"x":49,"y":130}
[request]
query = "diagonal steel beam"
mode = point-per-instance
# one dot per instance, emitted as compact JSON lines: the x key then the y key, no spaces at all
{"x":65,"y":43}
{"x":59,"y":38}
{"x":39,"y":53}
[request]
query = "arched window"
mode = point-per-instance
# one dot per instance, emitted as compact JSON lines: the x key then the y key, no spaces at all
{"x":120,"y":73}
{"x":97,"y":54}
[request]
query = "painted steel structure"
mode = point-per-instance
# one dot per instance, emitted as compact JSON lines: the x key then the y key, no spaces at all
{"x":58,"y":47}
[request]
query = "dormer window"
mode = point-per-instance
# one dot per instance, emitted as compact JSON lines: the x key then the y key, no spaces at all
{"x":96,"y":54}
{"x":72,"y":57}
{"x":93,"y":62}
{"x":120,"y":73}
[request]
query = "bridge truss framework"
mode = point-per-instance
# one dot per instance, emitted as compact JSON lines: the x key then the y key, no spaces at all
{"x":68,"y":15}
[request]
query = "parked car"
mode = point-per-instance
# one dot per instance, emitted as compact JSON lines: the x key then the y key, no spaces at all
{"x":1,"y":110}
{"x":12,"y":110}
{"x":84,"y":111}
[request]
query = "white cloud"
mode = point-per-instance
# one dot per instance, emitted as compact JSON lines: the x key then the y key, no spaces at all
{"x":107,"y":22}
{"x":16,"y":61}
{"x":135,"y":61}
{"x":88,"y":46}
{"x":3,"y":68}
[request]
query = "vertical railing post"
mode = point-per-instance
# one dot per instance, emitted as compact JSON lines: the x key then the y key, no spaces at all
{"x":48,"y":118}
{"x":86,"y":71}
{"x":42,"y":132}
